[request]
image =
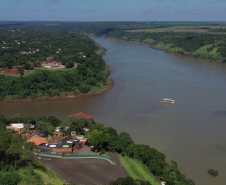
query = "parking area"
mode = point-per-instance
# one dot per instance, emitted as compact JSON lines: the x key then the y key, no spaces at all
{"x":84,"y":171}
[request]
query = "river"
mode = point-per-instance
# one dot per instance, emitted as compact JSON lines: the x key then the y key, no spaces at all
{"x":191,"y":132}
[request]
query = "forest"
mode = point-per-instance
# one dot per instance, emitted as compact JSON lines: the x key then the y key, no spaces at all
{"x":90,"y":73}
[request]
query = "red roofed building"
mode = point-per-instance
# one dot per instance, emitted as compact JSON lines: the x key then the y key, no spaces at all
{"x":85,"y":116}
{"x":38,"y":141}
{"x":14,"y":71}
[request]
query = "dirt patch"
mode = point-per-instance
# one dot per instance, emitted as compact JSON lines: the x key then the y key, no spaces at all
{"x":106,"y":88}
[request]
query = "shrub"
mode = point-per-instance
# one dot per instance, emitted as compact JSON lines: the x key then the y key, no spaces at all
{"x":10,"y":179}
{"x":213,"y":172}
{"x":102,"y":152}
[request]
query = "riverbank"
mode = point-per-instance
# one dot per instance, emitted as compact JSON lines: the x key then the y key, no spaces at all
{"x":167,"y":50}
{"x":183,"y":55}
{"x":70,"y":96}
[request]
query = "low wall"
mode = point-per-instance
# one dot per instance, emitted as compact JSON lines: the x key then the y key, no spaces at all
{"x":76,"y":156}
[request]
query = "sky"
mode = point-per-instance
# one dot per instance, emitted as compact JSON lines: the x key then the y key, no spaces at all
{"x":112,"y":10}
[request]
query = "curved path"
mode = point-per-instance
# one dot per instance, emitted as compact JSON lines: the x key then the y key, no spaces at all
{"x":84,"y":171}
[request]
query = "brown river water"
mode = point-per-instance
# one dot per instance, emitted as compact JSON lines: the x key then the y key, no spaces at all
{"x":191,"y":132}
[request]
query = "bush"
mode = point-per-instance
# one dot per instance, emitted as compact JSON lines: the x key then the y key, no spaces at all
{"x":10,"y":179}
{"x":102,"y":152}
{"x":213,"y":172}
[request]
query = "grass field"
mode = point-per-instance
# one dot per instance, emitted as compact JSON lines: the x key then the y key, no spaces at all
{"x":137,"y":170}
{"x":194,"y":29}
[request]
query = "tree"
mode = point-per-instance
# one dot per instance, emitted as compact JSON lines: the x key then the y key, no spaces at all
{"x":15,"y":151}
{"x":53,"y":120}
{"x":29,"y":146}
{"x":26,"y":127}
{"x":213,"y":172}
{"x":10,"y":179}
{"x":42,"y":126}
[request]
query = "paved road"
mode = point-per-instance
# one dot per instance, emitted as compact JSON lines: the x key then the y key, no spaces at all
{"x":84,"y":171}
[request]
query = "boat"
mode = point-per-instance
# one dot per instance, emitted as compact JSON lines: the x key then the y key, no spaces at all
{"x":167,"y":100}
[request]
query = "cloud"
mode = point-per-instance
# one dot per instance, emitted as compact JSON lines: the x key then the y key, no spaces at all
{"x":220,"y":11}
{"x":57,"y":1}
{"x":51,"y":9}
{"x":220,"y":1}
{"x":168,"y":0}
{"x":172,"y":11}
{"x":145,"y":10}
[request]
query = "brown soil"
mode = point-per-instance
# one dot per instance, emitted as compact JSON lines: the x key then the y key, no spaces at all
{"x":106,"y":88}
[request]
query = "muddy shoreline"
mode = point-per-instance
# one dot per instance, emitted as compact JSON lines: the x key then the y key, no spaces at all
{"x":106,"y":88}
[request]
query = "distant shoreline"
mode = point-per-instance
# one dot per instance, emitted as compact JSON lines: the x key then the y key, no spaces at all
{"x":167,"y":51}
{"x":106,"y":88}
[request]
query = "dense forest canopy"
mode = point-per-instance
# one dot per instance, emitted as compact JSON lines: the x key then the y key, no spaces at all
{"x":90,"y":72}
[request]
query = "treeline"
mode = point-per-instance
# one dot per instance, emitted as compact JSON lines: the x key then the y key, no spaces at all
{"x":210,"y":46}
{"x":107,"y":139}
{"x":99,"y":28}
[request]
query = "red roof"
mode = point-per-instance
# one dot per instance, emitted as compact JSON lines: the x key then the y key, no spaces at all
{"x":82,"y":115}
{"x":38,"y":141}
{"x":11,"y":71}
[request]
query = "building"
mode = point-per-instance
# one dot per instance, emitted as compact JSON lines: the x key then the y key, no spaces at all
{"x":38,"y":141}
{"x":13,"y":71}
{"x":85,"y":116}
{"x":15,"y":130}
{"x":18,"y":128}
{"x":61,"y":147}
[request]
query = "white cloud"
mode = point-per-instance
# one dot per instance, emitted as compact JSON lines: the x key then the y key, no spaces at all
{"x":220,"y":11}
{"x":57,"y":1}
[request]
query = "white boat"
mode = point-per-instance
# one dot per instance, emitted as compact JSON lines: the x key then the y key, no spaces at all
{"x":167,"y":100}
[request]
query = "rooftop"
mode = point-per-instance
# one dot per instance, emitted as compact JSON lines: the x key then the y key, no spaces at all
{"x":82,"y":115}
{"x":38,"y":141}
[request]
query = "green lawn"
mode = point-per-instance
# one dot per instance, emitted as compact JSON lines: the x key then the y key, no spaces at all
{"x":137,"y":170}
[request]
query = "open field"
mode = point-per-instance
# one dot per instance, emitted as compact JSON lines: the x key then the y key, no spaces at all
{"x":137,"y":170}
{"x":186,"y":29}
{"x":84,"y":171}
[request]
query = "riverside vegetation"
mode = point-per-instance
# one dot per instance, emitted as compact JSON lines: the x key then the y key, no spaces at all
{"x":90,"y":75}
{"x":204,"y":40}
{"x":200,"y":45}
{"x":144,"y":164}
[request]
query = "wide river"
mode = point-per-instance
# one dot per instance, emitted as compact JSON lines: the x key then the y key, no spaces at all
{"x":191,"y":132}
